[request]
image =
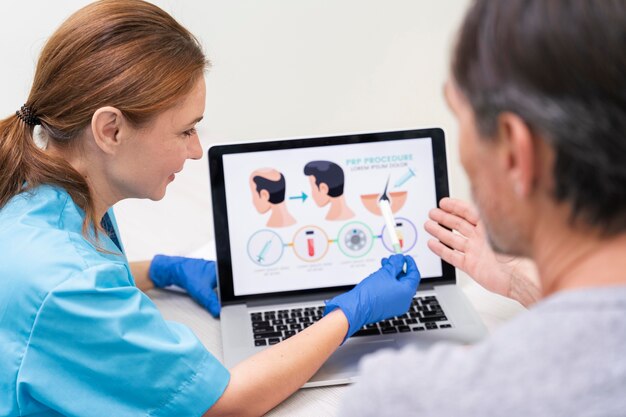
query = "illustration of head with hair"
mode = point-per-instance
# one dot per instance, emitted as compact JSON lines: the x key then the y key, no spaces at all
{"x":267,"y":186}
{"x":327,"y":182}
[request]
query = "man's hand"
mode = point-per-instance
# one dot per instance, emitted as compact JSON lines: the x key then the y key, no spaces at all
{"x":196,"y":276}
{"x":466,"y":247}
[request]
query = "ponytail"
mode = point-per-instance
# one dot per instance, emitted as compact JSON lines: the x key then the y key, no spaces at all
{"x":24,"y":166}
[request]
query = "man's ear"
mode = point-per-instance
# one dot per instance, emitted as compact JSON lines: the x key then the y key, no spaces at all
{"x":106,"y":123}
{"x":265,"y":195}
{"x":323,"y":187}
{"x":520,"y":153}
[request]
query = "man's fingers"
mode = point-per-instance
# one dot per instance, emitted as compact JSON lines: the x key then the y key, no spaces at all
{"x":453,"y":257}
{"x":454,"y":240}
{"x":460,"y":208}
{"x":452,"y":221}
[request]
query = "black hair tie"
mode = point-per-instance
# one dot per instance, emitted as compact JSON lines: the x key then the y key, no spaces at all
{"x":26,"y":115}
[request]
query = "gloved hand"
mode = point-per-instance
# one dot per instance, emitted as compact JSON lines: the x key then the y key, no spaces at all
{"x":196,"y":276}
{"x":385,"y":293}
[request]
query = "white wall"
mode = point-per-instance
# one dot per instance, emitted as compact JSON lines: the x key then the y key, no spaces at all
{"x":280,"y":68}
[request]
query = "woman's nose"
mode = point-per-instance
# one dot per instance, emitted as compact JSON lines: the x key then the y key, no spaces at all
{"x":194,"y":148}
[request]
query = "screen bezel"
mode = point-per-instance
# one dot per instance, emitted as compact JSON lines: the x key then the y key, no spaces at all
{"x":220,"y":216}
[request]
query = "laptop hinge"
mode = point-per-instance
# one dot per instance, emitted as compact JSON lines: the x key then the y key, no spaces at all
{"x":293,"y":299}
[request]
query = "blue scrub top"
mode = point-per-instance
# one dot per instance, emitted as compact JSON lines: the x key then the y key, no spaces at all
{"x":77,"y":337}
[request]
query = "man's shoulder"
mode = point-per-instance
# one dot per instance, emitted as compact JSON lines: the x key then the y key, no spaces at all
{"x":563,"y":355}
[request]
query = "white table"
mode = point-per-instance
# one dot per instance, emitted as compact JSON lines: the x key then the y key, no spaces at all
{"x":323,"y":401}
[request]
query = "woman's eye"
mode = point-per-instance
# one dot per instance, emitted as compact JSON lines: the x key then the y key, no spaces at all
{"x":190,"y":132}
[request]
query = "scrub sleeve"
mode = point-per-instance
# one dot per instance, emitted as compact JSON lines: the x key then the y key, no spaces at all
{"x":105,"y":350}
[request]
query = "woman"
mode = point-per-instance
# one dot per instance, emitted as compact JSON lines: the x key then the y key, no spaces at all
{"x":118,"y":90}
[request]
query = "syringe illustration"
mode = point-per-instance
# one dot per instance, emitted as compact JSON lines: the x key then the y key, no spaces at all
{"x":410,"y":174}
{"x":261,"y":256}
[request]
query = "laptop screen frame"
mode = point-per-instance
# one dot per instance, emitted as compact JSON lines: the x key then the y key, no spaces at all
{"x":220,"y":215}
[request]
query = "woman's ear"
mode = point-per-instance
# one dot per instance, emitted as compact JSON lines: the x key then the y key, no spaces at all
{"x":106,"y":123}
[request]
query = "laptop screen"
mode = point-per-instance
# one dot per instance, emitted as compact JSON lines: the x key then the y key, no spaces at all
{"x":299,"y":215}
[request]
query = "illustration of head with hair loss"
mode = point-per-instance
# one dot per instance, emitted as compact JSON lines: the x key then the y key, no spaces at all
{"x":267,"y":186}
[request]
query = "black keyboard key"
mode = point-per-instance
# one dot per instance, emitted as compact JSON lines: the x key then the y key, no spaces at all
{"x":418,"y":329}
{"x":289,"y":333}
{"x":411,"y":321}
{"x":445,"y":326}
{"x":305,"y":320}
{"x":263,"y":330}
{"x":260,"y":342}
{"x":367,"y":332}
{"x":277,"y":322}
{"x":431,"y":326}
{"x":273,"y":340}
{"x":433,"y":319}
{"x":265,"y":335}
{"x":282,"y":327}
{"x":291,"y":321}
{"x":295,"y":326}
{"x":389,"y":330}
{"x":404,"y":329}
{"x":397,"y":322}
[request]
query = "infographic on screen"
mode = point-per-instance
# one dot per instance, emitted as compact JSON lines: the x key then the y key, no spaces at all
{"x":312,"y":218}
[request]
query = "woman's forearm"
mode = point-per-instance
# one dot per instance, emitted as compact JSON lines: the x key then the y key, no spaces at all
{"x":264,"y":380}
{"x":139,"y":270}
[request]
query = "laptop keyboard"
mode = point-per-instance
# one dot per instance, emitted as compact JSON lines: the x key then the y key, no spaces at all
{"x":271,"y":327}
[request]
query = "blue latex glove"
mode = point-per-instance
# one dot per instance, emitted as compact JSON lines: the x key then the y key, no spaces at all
{"x":386,"y":293}
{"x":196,"y":276}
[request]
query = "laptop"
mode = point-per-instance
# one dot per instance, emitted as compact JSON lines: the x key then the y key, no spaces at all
{"x":297,"y":222}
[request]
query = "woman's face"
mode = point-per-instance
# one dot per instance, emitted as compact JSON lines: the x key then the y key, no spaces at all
{"x":156,"y":152}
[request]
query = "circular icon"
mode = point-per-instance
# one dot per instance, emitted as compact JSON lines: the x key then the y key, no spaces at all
{"x":355,"y":239}
{"x":265,"y":247}
{"x":310,"y":243}
{"x":407,"y":235}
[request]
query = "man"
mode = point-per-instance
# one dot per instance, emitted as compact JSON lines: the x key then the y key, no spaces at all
{"x":327,"y":181}
{"x":539,"y":90}
{"x":267,"y":186}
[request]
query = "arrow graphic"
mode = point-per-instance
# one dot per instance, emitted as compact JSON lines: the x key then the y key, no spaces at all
{"x":297,"y":197}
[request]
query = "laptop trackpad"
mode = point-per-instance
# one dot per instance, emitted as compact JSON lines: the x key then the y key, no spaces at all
{"x":342,"y":366}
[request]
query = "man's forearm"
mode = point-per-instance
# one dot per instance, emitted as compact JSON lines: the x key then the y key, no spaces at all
{"x":524,"y":283}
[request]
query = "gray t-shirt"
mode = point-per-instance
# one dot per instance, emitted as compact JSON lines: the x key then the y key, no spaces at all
{"x":564,"y":357}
